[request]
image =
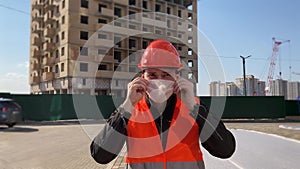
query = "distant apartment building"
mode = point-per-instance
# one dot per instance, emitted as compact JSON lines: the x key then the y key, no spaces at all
{"x":254,"y":87}
{"x":217,"y":88}
{"x":293,"y":90}
{"x":231,"y":89}
{"x":94,"y":46}
{"x":279,"y":88}
{"x":260,"y":91}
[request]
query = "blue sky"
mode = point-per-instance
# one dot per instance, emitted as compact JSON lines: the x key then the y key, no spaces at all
{"x":245,"y":28}
{"x":234,"y":27}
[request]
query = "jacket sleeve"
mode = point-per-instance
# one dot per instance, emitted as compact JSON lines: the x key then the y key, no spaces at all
{"x":214,"y":136}
{"x":108,"y":143}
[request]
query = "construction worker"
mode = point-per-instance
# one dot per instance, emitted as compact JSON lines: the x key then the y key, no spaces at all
{"x":160,"y":119}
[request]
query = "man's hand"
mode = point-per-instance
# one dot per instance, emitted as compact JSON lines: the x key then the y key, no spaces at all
{"x":136,"y":89}
{"x":184,"y":89}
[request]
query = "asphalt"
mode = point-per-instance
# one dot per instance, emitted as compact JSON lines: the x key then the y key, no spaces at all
{"x":64,"y":144}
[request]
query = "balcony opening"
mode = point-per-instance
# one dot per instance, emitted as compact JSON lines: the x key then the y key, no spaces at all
{"x":118,"y":56}
{"x":145,"y":5}
{"x":190,"y":52}
{"x":168,"y":23}
{"x":84,"y":51}
{"x":190,"y":16}
{"x":100,"y":6}
{"x":102,"y":67}
{"x":190,"y":40}
{"x":84,"y":4}
{"x":63,"y":35}
{"x":145,"y":44}
{"x":168,"y":10}
{"x":118,"y":12}
{"x":56,"y":69}
{"x":84,"y":19}
{"x":63,"y":4}
{"x":62,"y":67}
{"x":190,"y":63}
{"x":103,"y":21}
{"x":132,"y":2}
{"x":179,"y":13}
{"x":190,"y":28}
{"x":62,"y":51}
{"x":117,"y":41}
{"x":157,"y":8}
{"x":131,"y":15}
{"x":84,"y":35}
{"x":132,"y":43}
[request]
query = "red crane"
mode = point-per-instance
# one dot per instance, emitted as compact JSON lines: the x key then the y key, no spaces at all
{"x":276,"y":45}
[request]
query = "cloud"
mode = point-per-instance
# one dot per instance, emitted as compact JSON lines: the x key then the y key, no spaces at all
{"x":24,"y":65}
{"x":13,"y":82}
{"x":13,"y":75}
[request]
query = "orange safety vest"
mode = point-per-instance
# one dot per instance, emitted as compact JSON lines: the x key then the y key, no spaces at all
{"x":144,"y":143}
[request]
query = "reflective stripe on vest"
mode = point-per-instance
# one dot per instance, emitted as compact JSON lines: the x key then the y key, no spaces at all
{"x":144,"y":143}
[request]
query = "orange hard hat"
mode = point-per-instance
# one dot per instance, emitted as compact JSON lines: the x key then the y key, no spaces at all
{"x":160,"y":54}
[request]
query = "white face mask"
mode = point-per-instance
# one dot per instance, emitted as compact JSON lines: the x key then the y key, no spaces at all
{"x":160,"y":90}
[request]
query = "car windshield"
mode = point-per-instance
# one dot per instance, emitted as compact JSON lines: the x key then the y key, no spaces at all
{"x":9,"y":104}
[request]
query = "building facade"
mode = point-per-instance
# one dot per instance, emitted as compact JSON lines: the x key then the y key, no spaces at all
{"x":94,"y":46}
{"x":254,"y":87}
{"x":279,"y":88}
{"x":293,"y":90}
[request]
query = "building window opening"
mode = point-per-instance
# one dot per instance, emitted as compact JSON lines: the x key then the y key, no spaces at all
{"x":145,"y":5}
{"x":84,"y":19}
{"x":84,"y":3}
{"x":132,"y":2}
{"x":84,"y":51}
{"x":62,"y":67}
{"x":132,"y":43}
{"x":100,"y":7}
{"x":190,"y":63}
{"x":83,"y":67}
{"x":157,"y":8}
{"x":84,"y":35}
{"x":117,"y":12}
{"x":118,"y":56}
{"x":104,"y":21}
{"x":102,"y":67}
{"x":190,"y":52}
{"x":190,"y":16}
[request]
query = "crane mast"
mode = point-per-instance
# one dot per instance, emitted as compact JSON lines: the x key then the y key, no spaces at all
{"x":276,"y":45}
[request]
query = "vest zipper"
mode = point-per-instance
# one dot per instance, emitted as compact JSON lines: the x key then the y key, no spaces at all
{"x":162,"y":144}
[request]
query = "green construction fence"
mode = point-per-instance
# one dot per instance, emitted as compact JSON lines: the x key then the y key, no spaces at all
{"x":65,"y":106}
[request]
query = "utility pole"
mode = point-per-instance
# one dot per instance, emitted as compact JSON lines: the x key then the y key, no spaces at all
{"x":244,"y":71}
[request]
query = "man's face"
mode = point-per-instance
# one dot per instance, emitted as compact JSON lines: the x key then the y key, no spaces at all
{"x":164,"y":74}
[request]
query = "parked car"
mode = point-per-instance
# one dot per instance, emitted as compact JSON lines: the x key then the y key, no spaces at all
{"x":10,"y":112}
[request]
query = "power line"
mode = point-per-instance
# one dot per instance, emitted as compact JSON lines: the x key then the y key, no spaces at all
{"x":14,"y":9}
{"x":252,"y":58}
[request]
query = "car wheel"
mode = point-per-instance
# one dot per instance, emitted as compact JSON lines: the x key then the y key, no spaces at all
{"x":11,"y":125}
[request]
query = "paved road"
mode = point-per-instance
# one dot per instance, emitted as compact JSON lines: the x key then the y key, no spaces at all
{"x":259,"y":150}
{"x":67,"y":147}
